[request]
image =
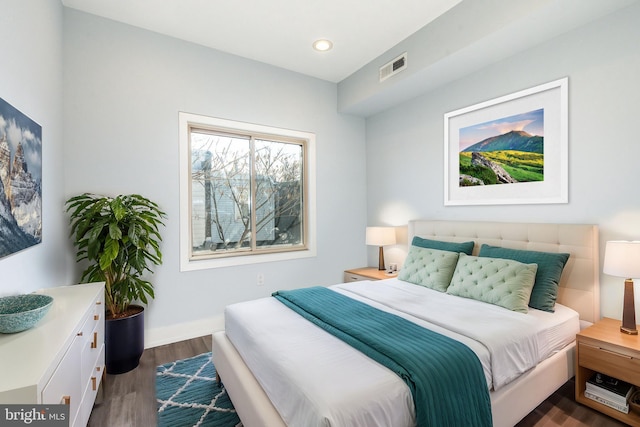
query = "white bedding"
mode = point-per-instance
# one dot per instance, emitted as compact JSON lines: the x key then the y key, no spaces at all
{"x":266,"y":334}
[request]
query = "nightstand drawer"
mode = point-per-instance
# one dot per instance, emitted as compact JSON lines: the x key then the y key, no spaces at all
{"x":366,"y":273}
{"x":352,"y":277}
{"x":609,"y":362}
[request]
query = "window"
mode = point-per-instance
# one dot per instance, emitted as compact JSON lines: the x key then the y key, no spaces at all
{"x":247,"y":193}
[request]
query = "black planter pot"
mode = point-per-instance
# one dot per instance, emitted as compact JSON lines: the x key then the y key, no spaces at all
{"x":124,"y":343}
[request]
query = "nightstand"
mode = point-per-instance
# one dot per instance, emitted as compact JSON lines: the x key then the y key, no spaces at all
{"x":366,"y":273}
{"x":603,"y":348}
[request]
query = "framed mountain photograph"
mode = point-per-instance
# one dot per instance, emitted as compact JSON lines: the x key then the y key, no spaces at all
{"x":20,"y":181}
{"x":509,"y":150}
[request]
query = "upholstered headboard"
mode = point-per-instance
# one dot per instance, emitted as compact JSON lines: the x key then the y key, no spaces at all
{"x":580,"y":282}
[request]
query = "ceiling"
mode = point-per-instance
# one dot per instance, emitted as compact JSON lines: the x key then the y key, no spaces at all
{"x":281,"y":32}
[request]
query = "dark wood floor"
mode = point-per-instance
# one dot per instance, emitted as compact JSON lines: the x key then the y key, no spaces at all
{"x":561,"y":409}
{"x":128,"y":400}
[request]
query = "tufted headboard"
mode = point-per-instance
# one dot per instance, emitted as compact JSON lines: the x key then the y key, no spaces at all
{"x":580,"y":282}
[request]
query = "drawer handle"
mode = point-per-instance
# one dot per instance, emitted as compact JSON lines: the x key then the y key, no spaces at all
{"x":96,"y":317}
{"x":79,"y":333}
{"x":614,"y":353}
{"x":93,"y":383}
{"x":66,"y":400}
{"x":94,"y":344}
{"x":98,"y":302}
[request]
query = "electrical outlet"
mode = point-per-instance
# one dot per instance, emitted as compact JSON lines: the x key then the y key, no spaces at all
{"x":260,"y":279}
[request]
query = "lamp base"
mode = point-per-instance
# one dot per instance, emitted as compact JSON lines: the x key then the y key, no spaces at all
{"x":628,"y":310}
{"x":381,"y":259}
{"x":628,"y":331}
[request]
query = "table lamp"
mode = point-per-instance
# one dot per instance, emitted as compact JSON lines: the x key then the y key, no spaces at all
{"x":380,"y":236}
{"x":622,"y":259}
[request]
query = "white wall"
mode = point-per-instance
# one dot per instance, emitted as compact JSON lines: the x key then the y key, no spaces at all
{"x":31,"y":81}
{"x":123,"y":90}
{"x":602,"y":60}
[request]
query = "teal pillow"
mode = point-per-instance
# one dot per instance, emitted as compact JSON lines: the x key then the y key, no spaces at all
{"x":465,"y":247}
{"x":431,"y":268}
{"x":502,"y":282}
{"x":550,"y":266}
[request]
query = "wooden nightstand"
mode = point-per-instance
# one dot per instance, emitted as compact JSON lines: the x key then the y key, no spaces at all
{"x":603,"y":348}
{"x":366,"y":273}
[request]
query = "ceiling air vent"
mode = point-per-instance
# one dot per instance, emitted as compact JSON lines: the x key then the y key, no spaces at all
{"x":393,"y":67}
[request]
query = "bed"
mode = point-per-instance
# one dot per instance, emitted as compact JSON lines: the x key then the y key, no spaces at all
{"x":257,"y":387}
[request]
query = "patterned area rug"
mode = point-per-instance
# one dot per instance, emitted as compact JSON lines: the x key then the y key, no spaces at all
{"x":188,"y":395}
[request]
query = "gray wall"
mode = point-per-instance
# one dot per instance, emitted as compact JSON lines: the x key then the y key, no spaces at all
{"x":31,"y":81}
{"x":123,"y":90}
{"x":405,"y":146}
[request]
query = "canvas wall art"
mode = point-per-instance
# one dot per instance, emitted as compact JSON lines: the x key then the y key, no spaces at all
{"x":509,"y":150}
{"x":20,"y":181}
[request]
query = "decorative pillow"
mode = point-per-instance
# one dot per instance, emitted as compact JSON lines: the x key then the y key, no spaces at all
{"x":502,"y":282}
{"x":431,"y":268}
{"x":465,"y":247}
{"x":550,"y":266}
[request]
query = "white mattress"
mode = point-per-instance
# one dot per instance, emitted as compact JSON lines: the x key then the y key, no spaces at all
{"x":315,"y":379}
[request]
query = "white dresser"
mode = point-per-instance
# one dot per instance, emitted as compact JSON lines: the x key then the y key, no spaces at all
{"x":61,"y":359}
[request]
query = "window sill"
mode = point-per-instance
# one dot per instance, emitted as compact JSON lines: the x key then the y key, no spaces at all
{"x":231,"y":261}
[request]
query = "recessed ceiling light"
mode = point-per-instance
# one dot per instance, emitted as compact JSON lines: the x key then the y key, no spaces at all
{"x":322,"y":45}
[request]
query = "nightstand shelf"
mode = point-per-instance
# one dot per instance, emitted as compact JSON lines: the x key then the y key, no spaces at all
{"x":603,"y":348}
{"x":366,"y":273}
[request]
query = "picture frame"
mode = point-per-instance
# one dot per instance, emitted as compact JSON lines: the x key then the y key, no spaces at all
{"x":509,"y":150}
{"x":20,"y":180}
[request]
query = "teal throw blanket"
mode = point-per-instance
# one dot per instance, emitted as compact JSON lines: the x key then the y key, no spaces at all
{"x":445,"y":376}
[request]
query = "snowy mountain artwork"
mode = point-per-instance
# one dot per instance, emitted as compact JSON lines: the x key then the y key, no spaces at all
{"x":20,"y":181}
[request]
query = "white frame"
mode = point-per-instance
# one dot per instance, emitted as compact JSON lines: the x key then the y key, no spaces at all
{"x":553,"y":97}
{"x":186,"y":120}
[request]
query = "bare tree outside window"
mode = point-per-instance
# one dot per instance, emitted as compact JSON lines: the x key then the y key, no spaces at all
{"x":246,"y":194}
{"x":279,"y":192}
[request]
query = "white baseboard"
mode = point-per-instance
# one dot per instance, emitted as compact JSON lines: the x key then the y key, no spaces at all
{"x":182,"y":331}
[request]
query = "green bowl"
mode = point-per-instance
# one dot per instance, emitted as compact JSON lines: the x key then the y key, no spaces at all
{"x":21,"y":312}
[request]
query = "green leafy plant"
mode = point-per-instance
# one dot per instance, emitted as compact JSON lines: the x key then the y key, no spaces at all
{"x":119,"y":237}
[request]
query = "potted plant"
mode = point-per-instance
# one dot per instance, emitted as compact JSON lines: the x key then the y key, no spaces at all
{"x":119,"y":237}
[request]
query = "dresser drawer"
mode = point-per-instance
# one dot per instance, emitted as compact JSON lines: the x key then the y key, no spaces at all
{"x":64,"y":385}
{"x":92,"y":346}
{"x":609,"y":362}
{"x":91,"y":389}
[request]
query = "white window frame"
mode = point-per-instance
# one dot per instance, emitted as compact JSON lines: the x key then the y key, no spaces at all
{"x":189,"y":120}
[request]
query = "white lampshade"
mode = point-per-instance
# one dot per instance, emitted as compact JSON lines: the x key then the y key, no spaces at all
{"x":381,"y":236}
{"x":622,"y":259}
